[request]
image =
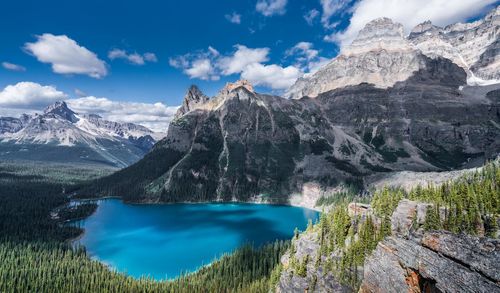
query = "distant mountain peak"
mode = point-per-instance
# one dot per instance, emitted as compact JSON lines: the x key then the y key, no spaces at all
{"x":382,"y":55}
{"x":61,"y":109}
{"x":113,"y":142}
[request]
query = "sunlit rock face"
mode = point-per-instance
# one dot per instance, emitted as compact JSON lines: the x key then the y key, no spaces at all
{"x":382,"y":55}
{"x":193,"y":99}
{"x":473,"y":46}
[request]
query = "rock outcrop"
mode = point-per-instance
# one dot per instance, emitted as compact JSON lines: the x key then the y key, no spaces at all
{"x":437,"y":262}
{"x":316,"y":278}
{"x":193,"y":99}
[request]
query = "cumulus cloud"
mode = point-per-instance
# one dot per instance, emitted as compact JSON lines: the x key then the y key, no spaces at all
{"x":210,"y":65}
{"x":306,"y":57}
{"x":331,"y":8}
{"x":202,"y":69}
{"x":198,"y":65}
{"x":242,"y":57}
{"x":133,"y":58}
{"x":29,"y":94}
{"x":155,"y":116}
{"x":409,"y":13}
{"x":13,"y":67}
{"x":31,"y":97}
{"x":310,"y":16}
{"x":150,"y":57}
{"x":233,"y":18}
{"x":272,"y":76}
{"x":271,"y":7}
{"x":66,"y":56}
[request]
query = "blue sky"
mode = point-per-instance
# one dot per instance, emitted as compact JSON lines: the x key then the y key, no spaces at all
{"x":165,"y":28}
{"x":208,"y":43}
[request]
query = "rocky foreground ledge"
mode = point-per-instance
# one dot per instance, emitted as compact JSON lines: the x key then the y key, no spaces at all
{"x":437,"y":262}
{"x":408,"y":260}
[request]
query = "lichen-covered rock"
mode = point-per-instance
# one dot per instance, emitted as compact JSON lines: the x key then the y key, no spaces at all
{"x":356,"y":209}
{"x":403,"y":217}
{"x":315,"y":279}
{"x":440,"y":261}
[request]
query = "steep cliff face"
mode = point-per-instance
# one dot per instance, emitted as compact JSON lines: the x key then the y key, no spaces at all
{"x":193,"y":99}
{"x":242,"y":144}
{"x":436,"y":262}
{"x":382,"y":55}
{"x":473,"y":46}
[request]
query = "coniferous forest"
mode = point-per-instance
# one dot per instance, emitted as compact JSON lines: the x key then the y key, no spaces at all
{"x":37,"y":256}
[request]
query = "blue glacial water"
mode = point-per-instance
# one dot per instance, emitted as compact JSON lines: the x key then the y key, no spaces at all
{"x":164,"y":240}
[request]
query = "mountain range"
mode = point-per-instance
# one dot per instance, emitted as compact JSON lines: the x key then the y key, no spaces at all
{"x":382,"y":55}
{"x":61,"y":135}
{"x":383,"y":105}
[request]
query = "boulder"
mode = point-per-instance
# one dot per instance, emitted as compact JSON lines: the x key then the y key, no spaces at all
{"x":439,"y":262}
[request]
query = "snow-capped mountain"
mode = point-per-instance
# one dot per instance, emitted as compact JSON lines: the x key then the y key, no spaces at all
{"x":86,"y":137}
{"x":382,"y":55}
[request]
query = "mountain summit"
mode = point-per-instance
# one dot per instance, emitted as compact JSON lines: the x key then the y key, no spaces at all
{"x":382,"y":55}
{"x":60,"y":134}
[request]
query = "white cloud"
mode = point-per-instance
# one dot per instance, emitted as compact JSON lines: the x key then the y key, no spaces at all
{"x":306,"y":57}
{"x":409,"y":13}
{"x":242,"y":58}
{"x":213,"y":51}
{"x":155,"y":116}
{"x":247,"y":62}
{"x":27,"y":94}
{"x":133,"y":58}
{"x":80,"y":93}
{"x":198,"y":65}
{"x":331,"y":8}
{"x":202,"y":69}
{"x":310,"y":16}
{"x":150,"y":57}
{"x":13,"y":67}
{"x":272,"y":76}
{"x":303,"y":48}
{"x":30,"y":97}
{"x":233,"y":18}
{"x":66,"y":56}
{"x":271,"y":7}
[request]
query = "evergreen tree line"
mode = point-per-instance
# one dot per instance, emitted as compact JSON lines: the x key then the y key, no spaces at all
{"x":55,"y":267}
{"x":36,"y":256}
{"x":470,"y":205}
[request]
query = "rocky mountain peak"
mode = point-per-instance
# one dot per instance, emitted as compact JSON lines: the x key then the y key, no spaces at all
{"x":61,"y":109}
{"x":193,"y":99}
{"x":380,"y":33}
{"x":424,"y":27}
{"x":230,"y":86}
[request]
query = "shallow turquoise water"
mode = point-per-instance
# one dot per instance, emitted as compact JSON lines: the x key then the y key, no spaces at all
{"x":162,"y":241}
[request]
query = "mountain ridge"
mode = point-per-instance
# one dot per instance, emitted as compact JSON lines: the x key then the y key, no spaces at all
{"x":88,"y":136}
{"x":382,"y":55}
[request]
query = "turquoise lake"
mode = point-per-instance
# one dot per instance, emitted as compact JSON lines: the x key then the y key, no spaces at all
{"x":164,"y":240}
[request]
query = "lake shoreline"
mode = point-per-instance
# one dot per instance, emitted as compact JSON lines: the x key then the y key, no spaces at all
{"x":119,"y":223}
